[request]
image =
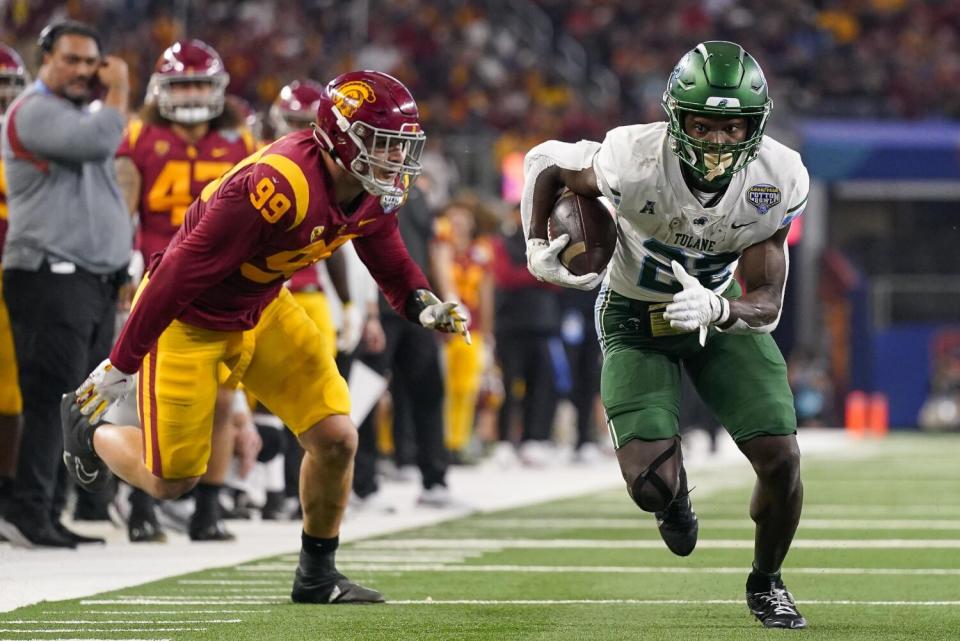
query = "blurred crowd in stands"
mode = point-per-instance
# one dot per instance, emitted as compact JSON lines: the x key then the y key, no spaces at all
{"x":472,"y":69}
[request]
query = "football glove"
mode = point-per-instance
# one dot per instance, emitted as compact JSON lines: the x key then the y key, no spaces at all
{"x":694,"y":308}
{"x":543,"y":261}
{"x":450,"y":317}
{"x":105,"y":386}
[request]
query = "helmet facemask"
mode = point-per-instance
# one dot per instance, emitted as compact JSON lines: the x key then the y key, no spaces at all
{"x":188,"y":108}
{"x":715,"y":162}
{"x":387,"y":160}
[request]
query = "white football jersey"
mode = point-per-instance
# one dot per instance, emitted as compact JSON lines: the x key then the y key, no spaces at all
{"x":659,"y":219}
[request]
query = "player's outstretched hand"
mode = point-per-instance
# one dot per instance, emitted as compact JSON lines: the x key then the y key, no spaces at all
{"x":450,"y":317}
{"x":105,"y":386}
{"x":543,"y":261}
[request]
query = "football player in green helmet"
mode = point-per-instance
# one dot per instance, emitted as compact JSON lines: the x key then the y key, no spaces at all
{"x":695,"y":198}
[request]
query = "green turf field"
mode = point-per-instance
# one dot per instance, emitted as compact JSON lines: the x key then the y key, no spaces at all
{"x":877,"y":557}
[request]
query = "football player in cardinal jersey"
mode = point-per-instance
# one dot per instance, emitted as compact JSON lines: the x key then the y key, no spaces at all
{"x":215,"y":297}
{"x":693,"y":196}
{"x":186,"y":136}
{"x":13,"y":78}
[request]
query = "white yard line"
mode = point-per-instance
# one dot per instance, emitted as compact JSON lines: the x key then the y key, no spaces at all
{"x":85,"y":630}
{"x":234,"y":582}
{"x":119,"y":621}
{"x":654,"y":602}
{"x":189,"y":601}
{"x":598,"y":569}
{"x":212,"y":600}
{"x":643,"y":521}
{"x":651,"y":544}
{"x":181,"y":611}
{"x":608,"y":569}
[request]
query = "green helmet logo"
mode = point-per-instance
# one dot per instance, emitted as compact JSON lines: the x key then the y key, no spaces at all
{"x":717,"y":79}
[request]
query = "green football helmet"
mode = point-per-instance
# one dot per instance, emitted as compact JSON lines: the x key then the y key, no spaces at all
{"x":717,"y":79}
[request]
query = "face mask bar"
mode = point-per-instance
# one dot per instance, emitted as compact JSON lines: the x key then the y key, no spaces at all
{"x":725,"y":159}
{"x":389,"y":160}
{"x":189,"y":109}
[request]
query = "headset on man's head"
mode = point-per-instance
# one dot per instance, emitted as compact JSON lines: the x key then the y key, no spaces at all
{"x":52,"y":32}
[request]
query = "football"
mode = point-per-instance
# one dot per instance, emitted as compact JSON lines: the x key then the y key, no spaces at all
{"x":592,"y":231}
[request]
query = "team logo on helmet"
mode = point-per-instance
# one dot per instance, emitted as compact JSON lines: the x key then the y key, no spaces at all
{"x":350,"y":96}
{"x":763,"y":197}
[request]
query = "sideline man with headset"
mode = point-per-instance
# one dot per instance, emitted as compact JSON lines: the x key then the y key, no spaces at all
{"x":65,"y":257}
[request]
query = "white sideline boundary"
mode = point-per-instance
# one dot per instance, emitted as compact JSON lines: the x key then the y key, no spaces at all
{"x":31,"y":576}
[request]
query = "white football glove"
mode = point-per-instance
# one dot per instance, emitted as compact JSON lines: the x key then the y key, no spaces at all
{"x":351,"y":329}
{"x":543,"y":261}
{"x":103,"y":388}
{"x":696,"y":307}
{"x":450,"y":317}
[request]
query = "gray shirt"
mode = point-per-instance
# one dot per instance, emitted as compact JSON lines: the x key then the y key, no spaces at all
{"x":62,"y":193}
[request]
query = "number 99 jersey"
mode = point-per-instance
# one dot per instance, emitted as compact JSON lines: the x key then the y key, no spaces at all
{"x":173,"y":172}
{"x":659,"y":219}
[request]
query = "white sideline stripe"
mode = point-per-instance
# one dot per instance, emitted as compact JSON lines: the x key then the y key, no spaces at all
{"x":654,"y":602}
{"x":608,"y":544}
{"x":210,"y":600}
{"x":606,"y":569}
{"x":121,"y":622}
{"x":273,"y":587}
{"x":816,"y":524}
{"x":564,"y":602}
{"x":850,"y":510}
{"x":231,"y":582}
{"x":50,"y":630}
{"x":258,"y":611}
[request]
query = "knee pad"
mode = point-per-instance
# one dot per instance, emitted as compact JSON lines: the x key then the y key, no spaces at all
{"x":649,"y":490}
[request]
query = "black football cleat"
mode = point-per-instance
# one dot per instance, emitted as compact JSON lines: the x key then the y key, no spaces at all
{"x":215,"y":531}
{"x":678,"y":526}
{"x":83,"y":464}
{"x":145,"y":529}
{"x":77,"y":538}
{"x":775,"y":607}
{"x":331,"y":588}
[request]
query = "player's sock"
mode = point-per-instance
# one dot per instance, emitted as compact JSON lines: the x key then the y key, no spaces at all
{"x":758,"y":581}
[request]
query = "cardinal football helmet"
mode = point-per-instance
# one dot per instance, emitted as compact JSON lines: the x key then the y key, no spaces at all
{"x":296,"y":106}
{"x":13,"y":77}
{"x":717,"y":79}
{"x":193,"y":62}
{"x":370,"y":124}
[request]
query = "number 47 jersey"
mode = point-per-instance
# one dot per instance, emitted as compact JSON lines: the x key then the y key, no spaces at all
{"x":173,"y":172}
{"x":659,"y":219}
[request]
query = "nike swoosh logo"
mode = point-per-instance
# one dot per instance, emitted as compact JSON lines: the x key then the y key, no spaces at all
{"x":83,"y":475}
{"x":219,"y":152}
{"x":366,"y":221}
{"x":736,"y":226}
